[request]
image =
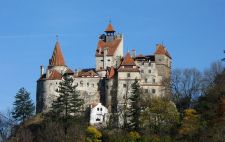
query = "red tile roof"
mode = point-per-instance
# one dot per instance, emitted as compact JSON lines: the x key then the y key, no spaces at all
{"x":89,"y":73}
{"x":112,"y":46}
{"x":57,"y":56}
{"x":54,"y":75}
{"x":128,"y":60}
{"x":160,"y":49}
{"x":109,"y":28}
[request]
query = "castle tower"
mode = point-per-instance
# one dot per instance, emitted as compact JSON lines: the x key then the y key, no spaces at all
{"x":109,"y":50}
{"x":48,"y":82}
{"x":163,"y":61}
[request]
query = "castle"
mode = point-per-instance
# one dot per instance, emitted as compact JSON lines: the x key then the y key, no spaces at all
{"x":95,"y":85}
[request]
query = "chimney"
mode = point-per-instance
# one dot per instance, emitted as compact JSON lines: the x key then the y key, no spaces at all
{"x":42,"y":70}
{"x":133,"y":53}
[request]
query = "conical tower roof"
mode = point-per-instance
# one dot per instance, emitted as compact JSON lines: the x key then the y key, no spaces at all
{"x":57,"y":56}
{"x":110,"y":28}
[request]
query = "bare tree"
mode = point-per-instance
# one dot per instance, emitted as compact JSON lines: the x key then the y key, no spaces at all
{"x":186,"y":86}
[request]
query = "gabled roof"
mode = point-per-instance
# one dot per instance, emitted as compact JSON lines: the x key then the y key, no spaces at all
{"x":112,"y":46}
{"x":57,"y":56}
{"x":128,"y":60}
{"x":110,"y":28}
{"x":128,"y":64}
{"x":160,"y":49}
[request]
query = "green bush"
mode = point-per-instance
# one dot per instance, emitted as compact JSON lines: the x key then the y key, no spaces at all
{"x":93,"y":134}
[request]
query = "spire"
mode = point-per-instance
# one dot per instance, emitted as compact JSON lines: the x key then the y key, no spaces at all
{"x":57,"y":56}
{"x":128,"y":60}
{"x":110,"y":28}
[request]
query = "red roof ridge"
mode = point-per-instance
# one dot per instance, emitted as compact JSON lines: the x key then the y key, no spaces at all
{"x":57,"y":56}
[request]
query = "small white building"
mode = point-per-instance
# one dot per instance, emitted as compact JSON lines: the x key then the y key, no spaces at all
{"x":99,"y":115}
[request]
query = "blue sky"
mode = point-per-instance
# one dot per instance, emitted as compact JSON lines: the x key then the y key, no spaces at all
{"x":192,"y":30}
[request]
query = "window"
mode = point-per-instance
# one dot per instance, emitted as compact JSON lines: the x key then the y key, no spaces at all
{"x":93,"y":85}
{"x":97,"y":109}
{"x":102,"y":60}
{"x":108,"y":60}
{"x":143,"y":63}
{"x":153,"y":91}
{"x":153,"y":80}
{"x":128,"y":74}
{"x":87,"y":84}
{"x":142,"y":71}
{"x":146,"y":90}
{"x":146,"y":80}
{"x":149,"y":71}
{"x":124,"y":85}
{"x":106,"y":86}
{"x":97,"y":119}
{"x":100,"y":109}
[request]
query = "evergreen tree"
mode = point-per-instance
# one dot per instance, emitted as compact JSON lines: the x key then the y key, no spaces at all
{"x":68,"y":104}
{"x":135,"y":107}
{"x":23,"y":106}
{"x":114,"y":104}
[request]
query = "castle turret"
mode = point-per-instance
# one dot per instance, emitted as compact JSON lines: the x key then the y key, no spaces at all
{"x":48,"y":82}
{"x":163,"y":61}
{"x":109,"y":49}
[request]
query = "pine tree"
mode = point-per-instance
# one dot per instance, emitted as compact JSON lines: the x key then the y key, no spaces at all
{"x":114,"y":104}
{"x":135,"y":107}
{"x":68,"y":104}
{"x":23,"y":106}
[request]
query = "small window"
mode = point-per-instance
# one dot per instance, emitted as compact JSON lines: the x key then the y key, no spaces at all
{"x":100,"y":109}
{"x":142,"y":71}
{"x":87,"y":84}
{"x":160,"y":60}
{"x":153,"y":91}
{"x":153,"y":80}
{"x":100,"y":67}
{"x":149,"y":71}
{"x":102,"y":60}
{"x":97,"y":109}
{"x":124,"y":85}
{"x":108,"y":60}
{"x":146,"y":90}
{"x":97,"y":119}
{"x":106,"y":86}
{"x":146,"y":80}
{"x":128,"y":74}
{"x":93,"y":85}
{"x":143,"y":63}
